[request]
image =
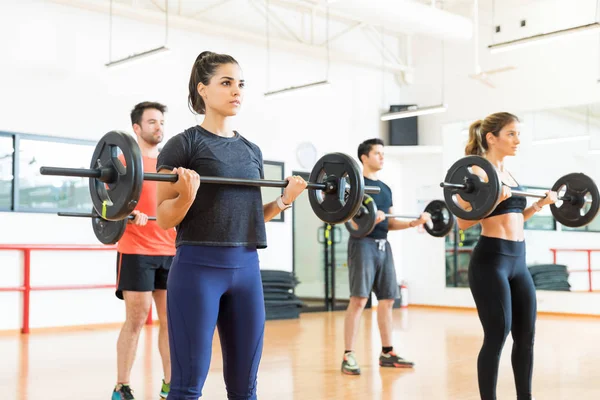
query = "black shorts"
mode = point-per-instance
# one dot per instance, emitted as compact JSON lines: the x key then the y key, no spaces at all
{"x":139,"y":273}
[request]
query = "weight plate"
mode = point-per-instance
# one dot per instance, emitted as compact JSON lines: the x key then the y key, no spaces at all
{"x":338,"y":205}
{"x":481,"y":195}
{"x":441,"y":218}
{"x":576,"y":212}
{"x":108,"y":232}
{"x":364,"y":219}
{"x":117,"y":192}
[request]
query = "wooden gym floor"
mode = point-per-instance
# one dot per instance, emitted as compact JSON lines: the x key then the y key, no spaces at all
{"x":302,"y":360}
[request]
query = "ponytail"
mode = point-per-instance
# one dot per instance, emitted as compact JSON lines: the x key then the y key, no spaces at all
{"x":475,"y":146}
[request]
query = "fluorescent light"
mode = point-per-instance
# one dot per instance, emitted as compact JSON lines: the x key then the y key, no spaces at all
{"x":513,"y":44}
{"x":413,"y":111}
{"x":562,"y":139}
{"x":293,"y":88}
{"x":138,"y":56}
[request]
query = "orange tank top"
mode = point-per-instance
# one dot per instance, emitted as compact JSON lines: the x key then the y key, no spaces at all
{"x":150,"y":240}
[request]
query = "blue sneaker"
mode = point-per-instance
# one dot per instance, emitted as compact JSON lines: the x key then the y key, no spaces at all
{"x":122,"y":392}
{"x":164,"y":390}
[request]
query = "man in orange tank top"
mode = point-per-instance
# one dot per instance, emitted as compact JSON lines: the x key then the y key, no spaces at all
{"x":144,"y":257}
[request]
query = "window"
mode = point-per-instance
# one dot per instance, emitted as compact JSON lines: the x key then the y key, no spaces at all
{"x":542,"y":220}
{"x":6,"y":172}
{"x":459,"y":246}
{"x":44,"y":193}
{"x":273,"y":171}
{"x":593,"y":226}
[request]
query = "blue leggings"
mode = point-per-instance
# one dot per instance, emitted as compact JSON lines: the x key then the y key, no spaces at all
{"x":505,"y":297}
{"x":208,"y":287}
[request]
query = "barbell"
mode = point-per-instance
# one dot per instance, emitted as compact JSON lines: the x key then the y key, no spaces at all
{"x":441,"y":224}
{"x":578,"y":196}
{"x":107,"y":232}
{"x":336,"y":184}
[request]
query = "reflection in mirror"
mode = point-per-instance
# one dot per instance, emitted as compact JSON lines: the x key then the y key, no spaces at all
{"x":554,"y":142}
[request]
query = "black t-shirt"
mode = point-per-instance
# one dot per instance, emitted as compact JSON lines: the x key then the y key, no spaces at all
{"x":221,"y":215}
{"x":383,"y":200}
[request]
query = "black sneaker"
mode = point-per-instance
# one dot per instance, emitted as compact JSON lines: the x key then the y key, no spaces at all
{"x":122,"y":392}
{"x":393,"y":361}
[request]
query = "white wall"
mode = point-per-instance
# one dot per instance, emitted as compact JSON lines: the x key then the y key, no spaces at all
{"x":562,"y":73}
{"x":54,"y":82}
{"x":416,"y":253}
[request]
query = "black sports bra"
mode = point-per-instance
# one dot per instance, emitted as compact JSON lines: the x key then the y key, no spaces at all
{"x":514,"y":204}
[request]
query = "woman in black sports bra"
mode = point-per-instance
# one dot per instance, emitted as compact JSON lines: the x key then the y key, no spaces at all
{"x":499,"y":280}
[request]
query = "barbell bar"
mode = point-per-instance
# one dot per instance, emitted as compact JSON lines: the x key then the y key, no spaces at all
{"x":513,"y":191}
{"x":336,"y":183}
{"x":364,"y":220}
{"x":106,"y":177}
{"x":106,"y":231}
{"x":93,"y":215}
{"x":579,"y":203}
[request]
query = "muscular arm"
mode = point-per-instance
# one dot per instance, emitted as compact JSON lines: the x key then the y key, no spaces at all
{"x":173,"y":200}
{"x":171,"y":206}
{"x":398,"y":224}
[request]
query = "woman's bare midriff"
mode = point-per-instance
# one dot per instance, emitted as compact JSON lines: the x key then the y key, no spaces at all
{"x":504,"y":226}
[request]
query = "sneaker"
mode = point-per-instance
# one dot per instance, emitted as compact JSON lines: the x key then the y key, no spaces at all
{"x":349,"y":365}
{"x":122,"y":392}
{"x":164,"y":390}
{"x":392,"y":360}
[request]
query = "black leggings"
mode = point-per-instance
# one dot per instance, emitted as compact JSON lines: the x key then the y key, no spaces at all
{"x":505,"y":297}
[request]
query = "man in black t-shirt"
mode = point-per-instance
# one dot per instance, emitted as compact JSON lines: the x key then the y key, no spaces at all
{"x":371,"y":266}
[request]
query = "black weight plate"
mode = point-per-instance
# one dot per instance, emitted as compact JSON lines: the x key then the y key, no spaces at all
{"x":108,"y":232}
{"x":116,"y":197}
{"x":364,"y":219}
{"x":441,"y":218}
{"x":482,"y":196}
{"x":340,"y":205}
{"x":575,"y":212}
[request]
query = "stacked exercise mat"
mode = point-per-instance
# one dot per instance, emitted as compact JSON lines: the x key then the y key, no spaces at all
{"x":280,"y":301}
{"x":550,"y":277}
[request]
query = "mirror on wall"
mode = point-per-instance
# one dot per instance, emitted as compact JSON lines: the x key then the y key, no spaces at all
{"x":554,"y":142}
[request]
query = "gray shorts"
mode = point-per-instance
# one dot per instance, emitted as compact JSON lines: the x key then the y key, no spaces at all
{"x":371,"y":267}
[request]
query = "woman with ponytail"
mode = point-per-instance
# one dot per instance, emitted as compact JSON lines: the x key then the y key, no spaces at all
{"x":215,"y":279}
{"x":499,"y":280}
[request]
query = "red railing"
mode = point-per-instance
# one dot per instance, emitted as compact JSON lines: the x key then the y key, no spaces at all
{"x":589,"y":269}
{"x":26,"y":287}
